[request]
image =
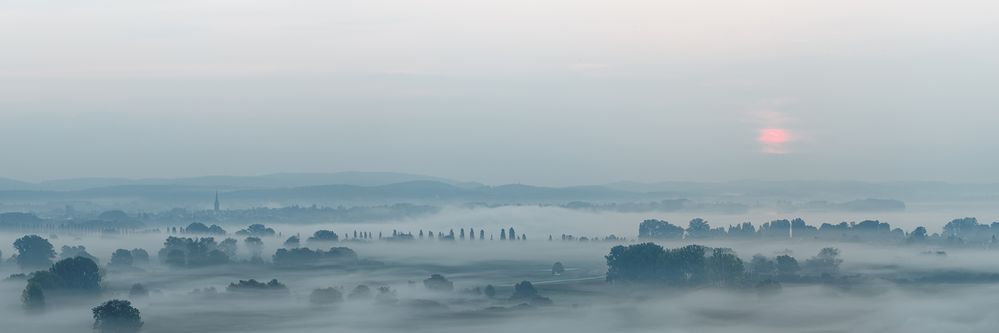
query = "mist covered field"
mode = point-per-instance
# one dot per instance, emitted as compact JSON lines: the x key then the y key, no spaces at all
{"x":879,"y":286}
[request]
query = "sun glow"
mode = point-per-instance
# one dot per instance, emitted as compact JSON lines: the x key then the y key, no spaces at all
{"x":773,"y":140}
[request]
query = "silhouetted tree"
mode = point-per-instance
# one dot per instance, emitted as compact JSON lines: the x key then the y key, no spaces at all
{"x":725,"y":268}
{"x":251,"y":287}
{"x":762,"y":267}
{"x":182,"y":251}
{"x":324,"y":236}
{"x":698,"y":228}
{"x":77,"y":273}
{"x":229,"y":246}
{"x":122,"y":258}
{"x":386,"y":295}
{"x":294,"y":242}
{"x":919,"y":235}
{"x":502,"y":234}
{"x":490,"y":291}
{"x":511,"y":235}
{"x":75,"y":251}
{"x":787,"y":266}
{"x":255,"y":245}
{"x":258,"y":230}
{"x":176,"y":257}
{"x":635,"y":263}
{"x":649,"y":262}
{"x":525,"y":291}
{"x":826,"y":262}
{"x":197,"y":228}
{"x":33,"y":252}
{"x":438,"y":282}
{"x":117,"y":316}
{"x":658,"y":229}
{"x":306,"y":256}
{"x":360,"y":292}
{"x":45,"y":280}
{"x":138,"y":291}
{"x":326,"y":296}
{"x":33,"y":298}
{"x":140,"y":256}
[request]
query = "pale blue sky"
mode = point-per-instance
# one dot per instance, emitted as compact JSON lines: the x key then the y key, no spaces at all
{"x":544,"y":92}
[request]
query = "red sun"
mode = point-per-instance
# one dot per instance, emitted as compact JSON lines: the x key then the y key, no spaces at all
{"x":772,"y":136}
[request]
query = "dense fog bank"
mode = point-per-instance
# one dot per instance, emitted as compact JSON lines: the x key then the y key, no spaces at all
{"x":916,"y":287}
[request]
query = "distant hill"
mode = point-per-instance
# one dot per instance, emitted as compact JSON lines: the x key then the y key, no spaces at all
{"x":278,"y":180}
{"x":378,"y":188}
{"x":428,"y":191}
{"x":420,"y":191}
{"x":818,"y":190}
{"x":10,"y":184}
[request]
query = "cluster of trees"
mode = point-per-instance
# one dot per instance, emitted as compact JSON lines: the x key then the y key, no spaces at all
{"x":451,"y":235}
{"x":437,"y":282}
{"x":306,"y":256}
{"x":33,"y":252}
{"x":71,"y":276}
{"x":122,"y":258}
{"x":525,"y":292}
{"x":196,"y":252}
{"x":786,"y":268}
{"x":199,"y":228}
{"x":117,"y":316}
{"x":257,"y":230}
{"x":331,"y":296}
{"x":75,"y":251}
{"x":963,"y":230}
{"x":254,"y":287}
{"x":505,"y":234}
{"x":321,"y":236}
{"x":76,"y":273}
{"x":200,"y":252}
{"x":571,"y":238}
{"x":326,"y":296}
{"x":958,"y":231}
{"x":695,"y":265}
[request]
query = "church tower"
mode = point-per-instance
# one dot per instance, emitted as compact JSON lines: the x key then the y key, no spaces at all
{"x":216,"y":201}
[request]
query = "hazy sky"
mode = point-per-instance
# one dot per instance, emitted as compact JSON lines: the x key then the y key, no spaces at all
{"x":547,"y":92}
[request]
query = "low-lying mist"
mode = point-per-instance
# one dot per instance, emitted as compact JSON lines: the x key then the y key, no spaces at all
{"x":877,"y":287}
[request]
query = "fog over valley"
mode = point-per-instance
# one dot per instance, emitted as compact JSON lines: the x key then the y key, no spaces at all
{"x":389,"y":166}
{"x":455,"y":256}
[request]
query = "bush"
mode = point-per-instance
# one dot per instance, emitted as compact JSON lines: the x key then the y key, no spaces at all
{"x":360,"y":292}
{"x":437,"y":282}
{"x":138,"y":291}
{"x":252,"y":286}
{"x":117,"y":316}
{"x":326,"y":296}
